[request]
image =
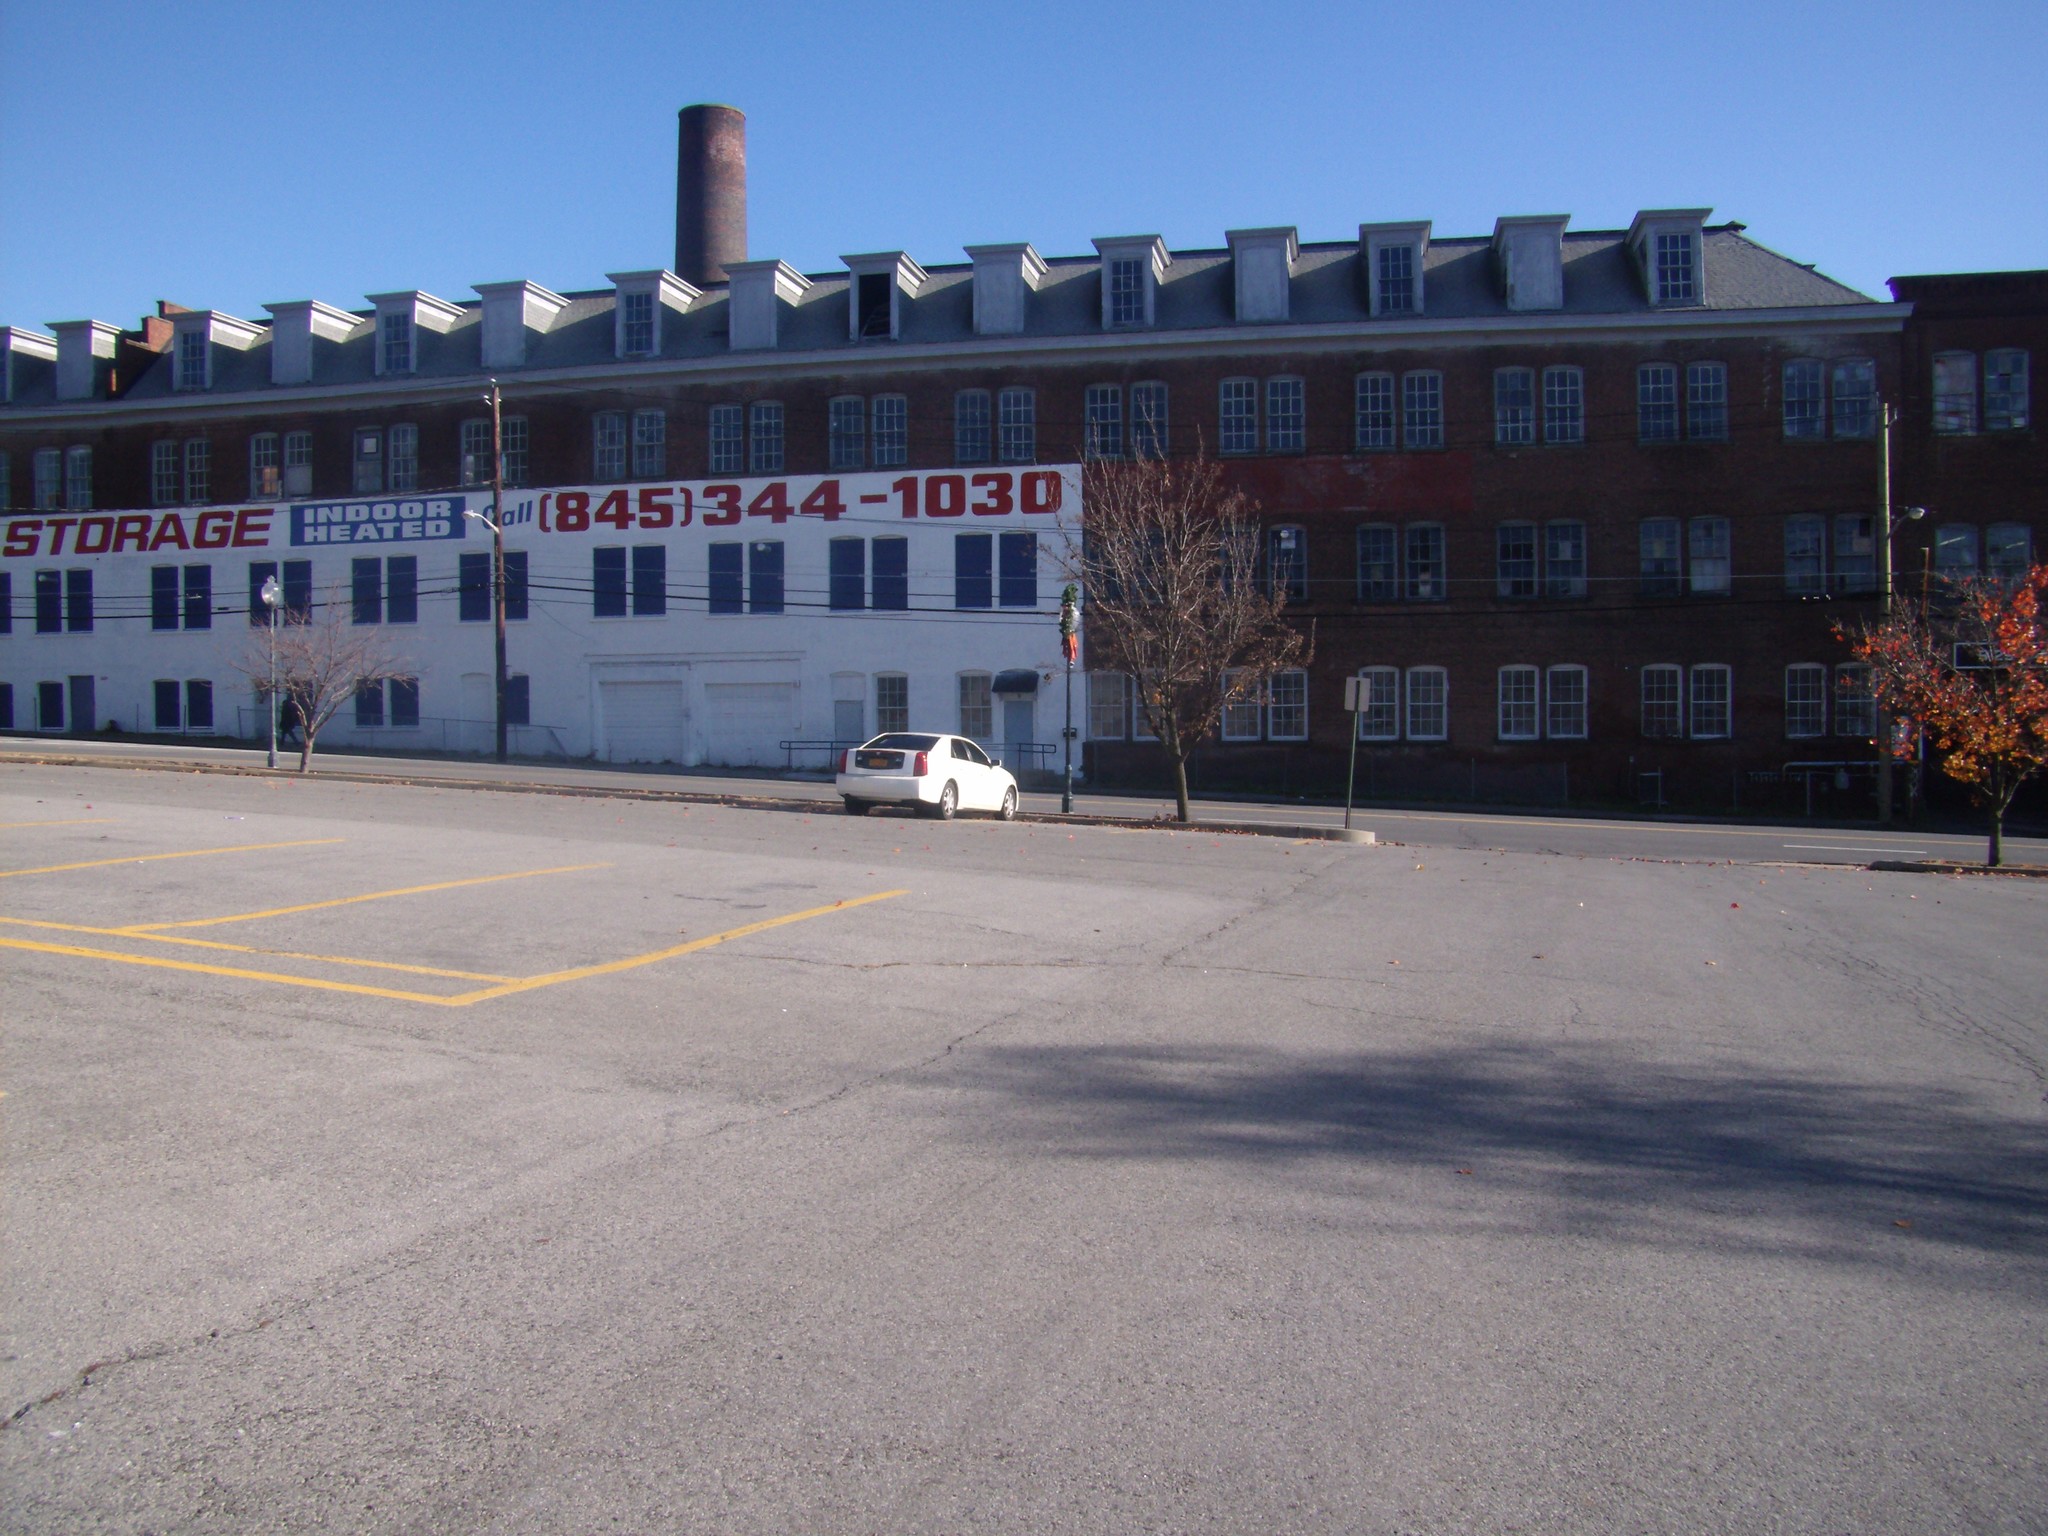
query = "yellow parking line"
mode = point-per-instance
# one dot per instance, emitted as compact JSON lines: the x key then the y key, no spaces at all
{"x":256,"y":949}
{"x":459,"y":1000}
{"x":190,"y":853}
{"x":75,"y":821}
{"x":632,"y":962}
{"x":345,"y":901}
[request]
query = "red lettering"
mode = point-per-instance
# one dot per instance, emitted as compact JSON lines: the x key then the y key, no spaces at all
{"x":728,"y":499}
{"x":1042,"y":491}
{"x":945,"y":496}
{"x":57,"y":525}
{"x":824,"y":502}
{"x":95,"y":534}
{"x":213,"y":530}
{"x":1000,"y":503}
{"x":170,"y":529}
{"x":24,"y":536}
{"x":572,"y":512}
{"x":131,"y":530}
{"x":616,"y":509}
{"x":252,"y":528}
{"x":655,"y":512}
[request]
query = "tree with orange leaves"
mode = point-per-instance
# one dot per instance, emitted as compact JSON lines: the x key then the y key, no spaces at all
{"x":1969,"y":666}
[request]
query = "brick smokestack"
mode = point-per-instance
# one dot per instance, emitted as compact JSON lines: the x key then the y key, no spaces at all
{"x":711,"y":192}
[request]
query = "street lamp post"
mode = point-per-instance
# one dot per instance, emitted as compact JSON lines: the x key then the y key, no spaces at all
{"x":1070,"y":647}
{"x":1888,"y":525}
{"x":271,"y":595}
{"x":496,"y":523}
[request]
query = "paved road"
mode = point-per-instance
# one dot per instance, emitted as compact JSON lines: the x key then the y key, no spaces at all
{"x":398,"y":1159}
{"x":1529,"y":832}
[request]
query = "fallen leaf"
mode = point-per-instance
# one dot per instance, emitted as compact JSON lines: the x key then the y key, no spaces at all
{"x":1464,"y":1170}
{"x":1902,"y":1223}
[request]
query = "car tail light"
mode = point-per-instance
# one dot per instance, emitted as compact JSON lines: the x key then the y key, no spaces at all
{"x":846,"y":761}
{"x":922,"y":766}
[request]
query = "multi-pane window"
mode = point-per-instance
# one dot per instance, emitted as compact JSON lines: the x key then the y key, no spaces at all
{"x":164,"y":476}
{"x":192,"y":360}
{"x":385,"y":591}
{"x":650,"y":445}
{"x":512,"y":439}
{"x":367,"y":475}
{"x":1287,"y":563}
{"x":1955,"y":551}
{"x":64,"y":601}
{"x":2008,"y":551}
{"x":892,"y":702}
{"x":1519,"y":713}
{"x":1238,"y":431}
{"x":1514,"y":407}
{"x":181,"y":596}
{"x":608,"y":445}
{"x":1855,"y":703}
{"x":394,"y":334}
{"x":1710,"y":699}
{"x":765,"y":576}
{"x":1126,"y":291}
{"x":1286,"y":416}
{"x":2005,"y":390}
{"x":1806,"y":699}
{"x":977,"y":706}
{"x":298,"y":463}
{"x":1656,"y":403}
{"x":163,"y":597}
{"x":889,"y":564}
{"x":1379,"y":564}
{"x":728,"y":439}
{"x":1855,"y":403}
{"x":295,"y":604}
{"x":1422,"y":410}
{"x":1855,"y":552}
{"x":1564,"y":405}
{"x":1287,"y":706}
{"x":1515,"y":559}
{"x":1675,"y":279}
{"x":265,"y":475}
{"x":1564,"y":558}
{"x":847,"y":575}
{"x":637,"y":577}
{"x":78,"y":477}
{"x":636,"y":323}
{"x":1806,"y":551}
{"x":1805,"y":411}
{"x":1244,"y":705}
{"x":1709,"y":557}
{"x":198,"y":458}
{"x":1429,"y":693}
{"x":1109,"y":706}
{"x":1663,"y":701}
{"x":973,"y":570}
{"x":1565,"y":717}
{"x":1017,"y":570}
{"x":196,"y":695}
{"x":476,"y":452}
{"x":1706,"y":402}
{"x":1102,"y":419}
{"x":473,"y":585}
{"x":1955,"y":392}
{"x":1373,"y":426}
{"x":725,"y":577}
{"x":1379,"y":704}
{"x":1424,"y":552}
{"x":764,"y":437}
{"x":402,"y":457}
{"x":1017,"y":426}
{"x":892,"y":431}
{"x":48,"y":469}
{"x":1397,"y":279}
{"x":1657,"y":544}
{"x":971,"y":427}
{"x":1149,"y":437}
{"x":846,"y":432}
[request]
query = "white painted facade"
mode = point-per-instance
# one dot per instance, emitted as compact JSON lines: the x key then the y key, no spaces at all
{"x":683,"y":684}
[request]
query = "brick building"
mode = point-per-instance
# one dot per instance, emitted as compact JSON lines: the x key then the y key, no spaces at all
{"x":1585,"y":505}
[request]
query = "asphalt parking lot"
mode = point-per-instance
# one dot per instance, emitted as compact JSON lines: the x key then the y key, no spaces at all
{"x":399,"y":1159}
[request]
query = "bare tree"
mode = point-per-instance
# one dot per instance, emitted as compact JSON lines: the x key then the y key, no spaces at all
{"x":1168,"y":561}
{"x":322,"y":659}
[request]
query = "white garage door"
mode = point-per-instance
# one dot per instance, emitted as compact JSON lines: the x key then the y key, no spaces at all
{"x":643,"y":722}
{"x":744,"y":721}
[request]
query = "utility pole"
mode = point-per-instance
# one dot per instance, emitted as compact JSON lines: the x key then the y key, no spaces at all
{"x":1070,"y":647}
{"x":1887,"y":414}
{"x":498,"y":552}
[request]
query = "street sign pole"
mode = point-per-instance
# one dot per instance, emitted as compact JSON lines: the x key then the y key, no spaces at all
{"x":1353,"y":687}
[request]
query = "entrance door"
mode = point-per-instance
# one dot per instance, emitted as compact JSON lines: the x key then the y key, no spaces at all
{"x":83,"y":714}
{"x":849,"y":720}
{"x":644,"y":722}
{"x":1020,"y":725}
{"x":49,"y":706}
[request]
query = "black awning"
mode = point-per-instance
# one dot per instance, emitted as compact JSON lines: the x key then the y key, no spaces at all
{"x":1018,"y":680}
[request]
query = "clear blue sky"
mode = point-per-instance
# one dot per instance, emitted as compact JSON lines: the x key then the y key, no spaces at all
{"x":223,"y":154}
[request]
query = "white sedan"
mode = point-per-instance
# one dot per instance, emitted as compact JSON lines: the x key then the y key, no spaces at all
{"x":937,"y":775}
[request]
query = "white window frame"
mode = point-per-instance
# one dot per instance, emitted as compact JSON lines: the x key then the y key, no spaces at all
{"x":1102,"y":421}
{"x":1806,"y":554}
{"x":2006,"y":385}
{"x":1852,"y":382}
{"x":1523,"y":585}
{"x":1109,"y":706}
{"x":1669,"y":679}
{"x":1396,"y":280}
{"x":1855,"y":703}
{"x":1656,"y":403}
{"x":650,"y":444}
{"x":1416,"y":587}
{"x":298,"y":463}
{"x":166,"y":481}
{"x":1518,"y":698}
{"x":1710,"y":557}
{"x":1675,"y":266}
{"x":1564,"y":405}
{"x":1566,"y":696}
{"x":1380,"y":689}
{"x":728,"y":438}
{"x":887,"y":716}
{"x":77,"y":477}
{"x":977,"y":705}
{"x":198,"y":457}
{"x":1126,"y":299}
{"x":266,"y":475}
{"x":395,"y":342}
{"x":1803,"y":399}
{"x":608,"y":446}
{"x":1706,"y":402}
{"x":1514,"y":407}
{"x":973,"y":427}
{"x":1017,"y":425}
{"x":1392,"y":586}
{"x":1287,"y":706}
{"x":639,"y":335}
{"x":46,"y":477}
{"x":1433,"y":694}
{"x":889,"y":431}
{"x":1242,"y":717}
{"x":1564,"y":577}
{"x":1955,"y":393}
{"x":1375,"y":424}
{"x":194,"y":360}
{"x":1422,"y":410}
{"x":1286,"y":414}
{"x":1237,"y":418}
{"x":766,"y":445}
{"x":1710,"y":701}
{"x":1806,"y":700}
{"x":846,"y":433}
{"x":1151,"y":435}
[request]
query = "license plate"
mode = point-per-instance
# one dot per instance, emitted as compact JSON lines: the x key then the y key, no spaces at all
{"x":880,"y":760}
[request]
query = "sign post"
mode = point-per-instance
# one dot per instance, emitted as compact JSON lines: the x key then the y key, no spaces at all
{"x":1070,"y":647}
{"x":1356,"y":697}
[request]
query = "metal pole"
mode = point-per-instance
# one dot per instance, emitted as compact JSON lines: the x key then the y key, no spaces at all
{"x":1070,"y":647}
{"x":1067,"y":741}
{"x":498,"y":555}
{"x":1884,"y":598}
{"x":1351,"y":774}
{"x":271,"y":700}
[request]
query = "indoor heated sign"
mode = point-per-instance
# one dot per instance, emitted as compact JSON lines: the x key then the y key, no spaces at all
{"x":378,"y":521}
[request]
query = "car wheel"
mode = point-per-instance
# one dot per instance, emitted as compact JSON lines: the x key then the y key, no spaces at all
{"x":949,"y":802}
{"x":856,"y":807}
{"x":1009,"y":810}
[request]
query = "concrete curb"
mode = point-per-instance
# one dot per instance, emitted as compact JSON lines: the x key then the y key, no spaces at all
{"x":1356,"y":835}
{"x":1953,"y":867}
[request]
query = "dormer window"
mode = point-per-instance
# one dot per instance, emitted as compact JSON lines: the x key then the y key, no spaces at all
{"x":394,"y":343}
{"x":636,"y":324}
{"x":875,"y":319}
{"x":875,"y":283}
{"x":192,"y":360}
{"x":1676,"y":263}
{"x":1393,"y":260}
{"x":1397,"y":279}
{"x":1126,"y":292}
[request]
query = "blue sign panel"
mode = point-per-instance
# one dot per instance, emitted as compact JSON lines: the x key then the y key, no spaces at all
{"x":380,"y":520}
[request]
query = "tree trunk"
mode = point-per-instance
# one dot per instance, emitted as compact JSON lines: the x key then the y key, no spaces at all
{"x":305,"y":750}
{"x":1996,"y":856}
{"x":1180,"y":785}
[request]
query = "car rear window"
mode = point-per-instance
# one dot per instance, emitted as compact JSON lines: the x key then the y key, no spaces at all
{"x":906,"y":743}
